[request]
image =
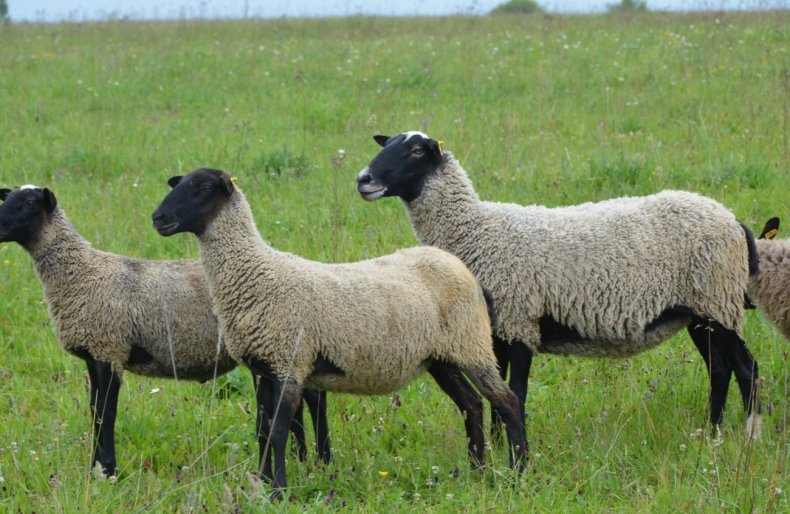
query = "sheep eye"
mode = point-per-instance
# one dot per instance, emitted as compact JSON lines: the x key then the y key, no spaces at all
{"x":30,"y":203}
{"x":205,"y":188}
{"x":418,"y":151}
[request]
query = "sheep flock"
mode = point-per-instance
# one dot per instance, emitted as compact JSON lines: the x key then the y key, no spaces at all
{"x":491,"y":286}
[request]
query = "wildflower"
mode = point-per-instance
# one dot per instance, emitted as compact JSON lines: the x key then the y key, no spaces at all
{"x":384,"y":474}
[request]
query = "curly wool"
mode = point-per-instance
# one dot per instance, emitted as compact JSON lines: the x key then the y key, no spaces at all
{"x":106,"y":304}
{"x":605,"y":269}
{"x":769,"y":289}
{"x":380,"y":320}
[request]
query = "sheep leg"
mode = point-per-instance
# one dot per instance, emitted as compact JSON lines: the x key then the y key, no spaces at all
{"x":105,"y":386}
{"x":502,"y":360}
{"x":316,"y":403}
{"x":746,"y":373}
{"x":263,"y":395}
{"x":719,"y":369}
{"x":286,"y":395}
{"x":503,"y":399}
{"x":452,"y":382}
{"x":297,"y":429}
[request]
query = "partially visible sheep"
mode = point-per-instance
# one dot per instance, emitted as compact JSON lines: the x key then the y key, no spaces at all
{"x":769,"y":289}
{"x":368,"y":327}
{"x":600,"y":279}
{"x":153,"y":318}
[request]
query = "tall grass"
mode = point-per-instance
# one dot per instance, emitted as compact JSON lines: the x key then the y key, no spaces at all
{"x":545,"y":109}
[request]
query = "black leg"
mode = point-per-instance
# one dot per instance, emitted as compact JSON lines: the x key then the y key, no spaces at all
{"x":494,"y":389}
{"x":520,"y":357}
{"x":502,"y":360}
{"x":719,"y":369}
{"x":286,"y":395}
{"x":744,"y":366}
{"x":263,"y":393}
{"x":105,"y":386}
{"x":316,"y":403}
{"x":297,"y":429}
{"x":452,"y":382}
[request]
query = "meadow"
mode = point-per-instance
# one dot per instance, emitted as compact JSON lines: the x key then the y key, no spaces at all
{"x":539,"y":109}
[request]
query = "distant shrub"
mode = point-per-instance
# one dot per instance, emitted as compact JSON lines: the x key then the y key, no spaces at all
{"x":517,"y":7}
{"x":627,"y":6}
{"x":281,"y":162}
{"x":3,"y":10}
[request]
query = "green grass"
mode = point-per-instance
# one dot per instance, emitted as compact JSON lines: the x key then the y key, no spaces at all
{"x":543,"y":109}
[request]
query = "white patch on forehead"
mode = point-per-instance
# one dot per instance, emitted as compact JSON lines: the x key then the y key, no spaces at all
{"x":411,"y":133}
{"x":29,"y":186}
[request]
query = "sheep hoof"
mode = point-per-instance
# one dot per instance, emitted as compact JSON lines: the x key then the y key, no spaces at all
{"x":754,"y":426}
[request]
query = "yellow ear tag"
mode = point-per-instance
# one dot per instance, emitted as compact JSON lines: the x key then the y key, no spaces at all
{"x":441,"y":147}
{"x":233,"y":181}
{"x":771,"y":233}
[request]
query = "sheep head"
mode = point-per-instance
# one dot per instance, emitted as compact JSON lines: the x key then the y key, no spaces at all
{"x":24,"y":213}
{"x":401,"y":167}
{"x":195,"y":200}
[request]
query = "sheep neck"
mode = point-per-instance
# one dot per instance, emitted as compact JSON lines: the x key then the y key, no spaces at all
{"x":59,"y":250}
{"x":447,"y":207}
{"x":231,"y":247}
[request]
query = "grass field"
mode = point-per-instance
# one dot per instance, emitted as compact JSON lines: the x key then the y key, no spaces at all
{"x":551,"y":110}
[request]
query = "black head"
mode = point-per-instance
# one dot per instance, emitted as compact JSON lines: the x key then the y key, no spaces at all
{"x":401,"y":167}
{"x":193,"y":202}
{"x":24,"y":213}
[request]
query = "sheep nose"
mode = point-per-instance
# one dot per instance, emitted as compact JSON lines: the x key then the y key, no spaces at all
{"x":363,"y":177}
{"x":157,"y":216}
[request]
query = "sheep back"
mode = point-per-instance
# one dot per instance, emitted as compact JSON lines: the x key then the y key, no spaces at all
{"x":106,"y":304}
{"x":380,"y":321}
{"x":605,"y":269}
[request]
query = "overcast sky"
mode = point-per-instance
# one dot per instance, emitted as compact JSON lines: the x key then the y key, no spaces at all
{"x":82,"y":10}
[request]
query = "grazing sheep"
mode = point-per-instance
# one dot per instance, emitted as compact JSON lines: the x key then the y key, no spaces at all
{"x":600,"y":279}
{"x":369,"y":327}
{"x":770,"y":287}
{"x":153,"y":318}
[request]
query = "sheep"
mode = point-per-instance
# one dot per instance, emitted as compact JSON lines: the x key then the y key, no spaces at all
{"x":367,"y":327}
{"x":153,"y":318}
{"x":599,"y":279}
{"x":768,"y":288}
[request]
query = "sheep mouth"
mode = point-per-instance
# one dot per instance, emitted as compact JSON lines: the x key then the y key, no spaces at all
{"x":371,"y":194}
{"x":167,"y":230}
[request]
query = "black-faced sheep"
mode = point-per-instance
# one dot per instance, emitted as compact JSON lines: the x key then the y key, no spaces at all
{"x":368,"y":327}
{"x":152,"y":318}
{"x":770,"y":286}
{"x":600,"y":279}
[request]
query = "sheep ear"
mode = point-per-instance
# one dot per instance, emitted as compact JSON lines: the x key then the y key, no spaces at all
{"x":229,"y":183}
{"x":4,"y":193}
{"x":381,"y":140}
{"x":770,"y":229}
{"x":174,"y":181}
{"x":50,"y":202}
{"x":436,"y":146}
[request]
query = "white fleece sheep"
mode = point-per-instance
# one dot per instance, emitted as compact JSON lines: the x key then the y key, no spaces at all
{"x":600,"y":279}
{"x":152,"y":318}
{"x":367,"y":327}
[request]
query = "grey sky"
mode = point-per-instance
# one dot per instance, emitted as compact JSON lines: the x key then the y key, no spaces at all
{"x":82,"y":10}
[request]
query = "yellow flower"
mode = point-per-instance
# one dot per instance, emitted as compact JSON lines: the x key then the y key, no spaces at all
{"x":383,"y":474}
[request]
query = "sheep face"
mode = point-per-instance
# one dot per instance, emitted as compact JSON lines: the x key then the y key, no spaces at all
{"x":193,"y":202}
{"x":24,"y":213}
{"x":401,"y":167}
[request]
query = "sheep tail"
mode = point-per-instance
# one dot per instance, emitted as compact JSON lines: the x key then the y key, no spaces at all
{"x":490,"y":305}
{"x":753,"y":261}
